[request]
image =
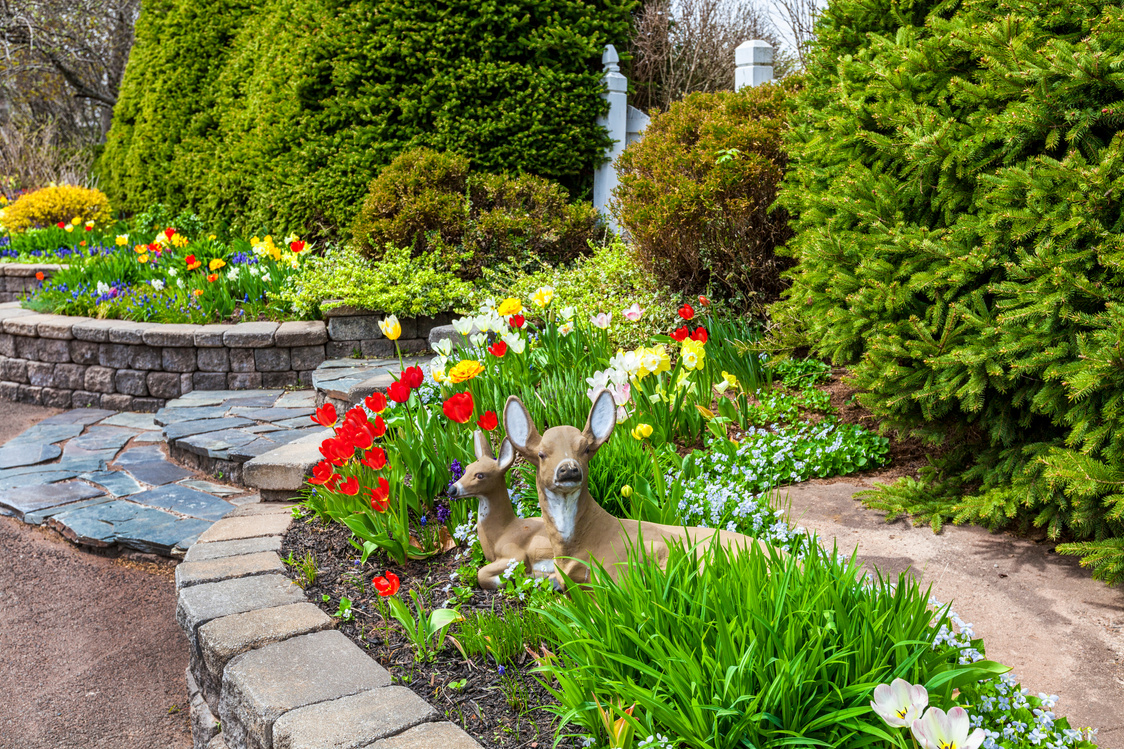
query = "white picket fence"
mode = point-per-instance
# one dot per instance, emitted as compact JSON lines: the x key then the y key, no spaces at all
{"x":753,"y":65}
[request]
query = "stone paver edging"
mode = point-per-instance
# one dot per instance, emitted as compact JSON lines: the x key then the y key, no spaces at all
{"x":270,"y":664}
{"x":16,"y":279}
{"x":62,"y":361}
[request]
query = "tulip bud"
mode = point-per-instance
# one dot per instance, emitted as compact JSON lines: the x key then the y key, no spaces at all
{"x":626,"y":491}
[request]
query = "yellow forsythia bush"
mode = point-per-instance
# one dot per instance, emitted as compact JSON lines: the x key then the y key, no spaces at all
{"x":51,"y":205}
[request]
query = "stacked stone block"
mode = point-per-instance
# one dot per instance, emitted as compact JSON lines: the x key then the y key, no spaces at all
{"x":16,"y":279}
{"x":354,"y":331}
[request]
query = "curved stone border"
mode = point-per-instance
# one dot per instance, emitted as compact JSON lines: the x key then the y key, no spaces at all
{"x":79,"y":362}
{"x":270,"y":664}
{"x":16,"y":279}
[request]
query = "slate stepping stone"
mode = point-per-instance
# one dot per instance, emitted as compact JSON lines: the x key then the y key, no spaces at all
{"x":198,"y":398}
{"x":297,"y":399}
{"x":157,"y":472}
{"x":49,"y":433}
{"x":291,"y":435}
{"x":132,"y":420}
{"x":84,"y":416}
{"x":34,"y":498}
{"x":216,"y":444}
{"x":252,"y":450}
{"x":34,"y":478}
{"x":38,"y":518}
{"x":18,"y":453}
{"x":259,"y":401}
{"x":155,"y":535}
{"x":294,"y":423}
{"x":117,"y":483}
{"x":166,"y":416}
{"x":262,"y":428}
{"x":185,"y":501}
{"x":149,"y":437}
{"x":139,"y":455}
{"x":182,"y":429}
{"x":92,"y":525}
{"x":103,"y":438}
{"x":219,"y":490}
{"x":271,"y":414}
{"x":72,"y":452}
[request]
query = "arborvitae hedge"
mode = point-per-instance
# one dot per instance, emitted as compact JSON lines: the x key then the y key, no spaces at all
{"x":957,"y":180}
{"x":279,"y":114}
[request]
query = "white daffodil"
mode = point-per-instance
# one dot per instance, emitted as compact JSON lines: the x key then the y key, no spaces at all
{"x":899,"y":703}
{"x":566,"y":328}
{"x":157,"y":284}
{"x":941,"y":730}
{"x":599,"y":381}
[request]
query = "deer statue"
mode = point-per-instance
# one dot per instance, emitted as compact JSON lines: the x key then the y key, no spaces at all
{"x":579,"y":529}
{"x":503,"y":536}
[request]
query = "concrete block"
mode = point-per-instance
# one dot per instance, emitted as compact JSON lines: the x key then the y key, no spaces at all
{"x":131,"y":382}
{"x":278,"y":379}
{"x":250,"y":335}
{"x":200,"y":604}
{"x":145,"y":357}
{"x":228,"y":568}
{"x":284,"y":468}
{"x":213,"y":359}
{"x":7,"y":345}
{"x":56,"y":398}
{"x":85,"y":399}
{"x":41,"y":374}
{"x":353,"y":721}
{"x":272,"y":360}
{"x":242,"y":360}
{"x":301,"y":333}
{"x":70,"y":376}
{"x":164,"y":384}
{"x":54,"y":350}
{"x":210,"y":336}
{"x":171,"y":335}
{"x":22,"y":326}
{"x":202,"y":552}
{"x":429,"y":736}
{"x":115,"y":355}
{"x":27,"y":347}
{"x":307,"y":357}
{"x":127,"y":331}
{"x":95,"y":331}
{"x":243,"y":380}
{"x":208,"y":380}
{"x":342,"y":349}
{"x":354,"y":327}
{"x":260,"y":686}
{"x":57,"y":326}
{"x":232,"y":528}
{"x":117,"y":402}
{"x":178,"y":359}
{"x":99,"y":379}
{"x":83,"y":352}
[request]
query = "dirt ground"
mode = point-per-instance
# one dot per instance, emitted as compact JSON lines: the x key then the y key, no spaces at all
{"x":1040,"y":613}
{"x":92,"y":656}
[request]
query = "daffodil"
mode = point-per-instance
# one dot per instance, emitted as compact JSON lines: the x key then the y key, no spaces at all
{"x":693,"y":354}
{"x":642,"y":431}
{"x":543,"y":295}
{"x":179,"y":240}
{"x":510,"y":306}
{"x":566,"y":328}
{"x":439,"y":375}
{"x":391,"y":328}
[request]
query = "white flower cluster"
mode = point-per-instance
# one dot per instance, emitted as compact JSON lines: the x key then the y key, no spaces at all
{"x":466,"y":531}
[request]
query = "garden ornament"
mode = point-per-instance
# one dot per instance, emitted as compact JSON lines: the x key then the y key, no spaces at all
{"x":503,"y":536}
{"x":579,"y":529}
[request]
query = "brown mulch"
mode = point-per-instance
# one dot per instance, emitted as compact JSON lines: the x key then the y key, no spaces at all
{"x":500,"y":712}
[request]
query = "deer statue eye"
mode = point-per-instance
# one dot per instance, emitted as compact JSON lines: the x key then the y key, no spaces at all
{"x":480,"y":477}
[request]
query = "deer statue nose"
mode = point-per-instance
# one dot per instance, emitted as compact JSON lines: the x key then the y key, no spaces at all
{"x":568,"y":472}
{"x":453,"y":490}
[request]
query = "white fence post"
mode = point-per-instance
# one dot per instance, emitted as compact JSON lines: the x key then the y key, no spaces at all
{"x":753,"y":64}
{"x":616,"y":122}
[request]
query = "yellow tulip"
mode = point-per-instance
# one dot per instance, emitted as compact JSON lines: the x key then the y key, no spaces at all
{"x":510,"y":306}
{"x":391,"y":328}
{"x":143,"y":258}
{"x":642,"y":431}
{"x":216,"y":264}
{"x":122,"y":240}
{"x":464,"y":371}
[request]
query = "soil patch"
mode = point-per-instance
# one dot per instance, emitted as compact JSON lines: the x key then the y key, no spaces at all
{"x":500,"y":711}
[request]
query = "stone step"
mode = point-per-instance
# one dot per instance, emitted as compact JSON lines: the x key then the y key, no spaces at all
{"x":280,"y":473}
{"x":346,"y":382}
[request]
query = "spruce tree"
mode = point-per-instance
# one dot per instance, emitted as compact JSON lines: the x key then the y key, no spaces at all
{"x":957,"y":185}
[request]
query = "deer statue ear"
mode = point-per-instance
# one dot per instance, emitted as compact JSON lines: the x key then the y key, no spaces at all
{"x":602,"y":419}
{"x":482,"y":446}
{"x":520,"y":429}
{"x":507,"y":455}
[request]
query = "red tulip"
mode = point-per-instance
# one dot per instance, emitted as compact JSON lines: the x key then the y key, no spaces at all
{"x":488,"y":421}
{"x":388,"y":585}
{"x":326,"y":415}
{"x":169,"y":232}
{"x":375,"y":459}
{"x":459,"y":407}
{"x":333,"y":483}
{"x":61,"y":224}
{"x":499,"y":348}
{"x":350,"y":487}
{"x":704,"y":301}
{"x":379,"y":494}
{"x":89,"y":228}
{"x":699,"y":335}
{"x":359,"y":438}
{"x":413,"y":376}
{"x":190,"y":259}
{"x":398,"y":391}
{"x":377,"y":427}
{"x":680,"y":334}
{"x":336,"y":451}
{"x":296,"y":246}
{"x":376,"y":402}
{"x":516,"y":321}
{"x":321,"y":473}
{"x":40,"y":276}
{"x":687,"y":312}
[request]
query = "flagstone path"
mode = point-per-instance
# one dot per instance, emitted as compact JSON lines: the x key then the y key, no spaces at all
{"x":102,"y":477}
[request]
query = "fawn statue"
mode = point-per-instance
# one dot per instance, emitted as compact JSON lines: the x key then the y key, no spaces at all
{"x":503,"y":536}
{"x":578,"y":528}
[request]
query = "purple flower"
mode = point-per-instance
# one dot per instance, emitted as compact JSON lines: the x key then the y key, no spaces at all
{"x":501,"y":670}
{"x":442,"y":514}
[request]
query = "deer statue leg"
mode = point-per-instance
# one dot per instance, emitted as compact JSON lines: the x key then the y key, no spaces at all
{"x":490,"y":575}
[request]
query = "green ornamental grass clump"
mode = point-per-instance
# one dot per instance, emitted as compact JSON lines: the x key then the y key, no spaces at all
{"x":758,"y":649}
{"x":284,"y":110}
{"x":956,"y":177}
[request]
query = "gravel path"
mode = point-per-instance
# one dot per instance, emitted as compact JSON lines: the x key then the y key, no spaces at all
{"x":92,"y":656}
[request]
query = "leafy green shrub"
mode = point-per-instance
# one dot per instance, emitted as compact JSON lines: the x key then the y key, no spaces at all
{"x":397,"y":284}
{"x":956,"y":175}
{"x":282,"y":111}
{"x":752,"y":650}
{"x":430,"y":201}
{"x":695,"y":194}
{"x":609,"y":280}
{"x":50,"y":205}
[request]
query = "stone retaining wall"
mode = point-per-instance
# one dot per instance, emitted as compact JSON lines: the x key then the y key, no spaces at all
{"x":79,"y":362}
{"x":16,"y":279}
{"x":270,"y":665}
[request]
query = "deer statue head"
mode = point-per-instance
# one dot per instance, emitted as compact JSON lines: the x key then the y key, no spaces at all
{"x":561,"y":458}
{"x":485,"y":478}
